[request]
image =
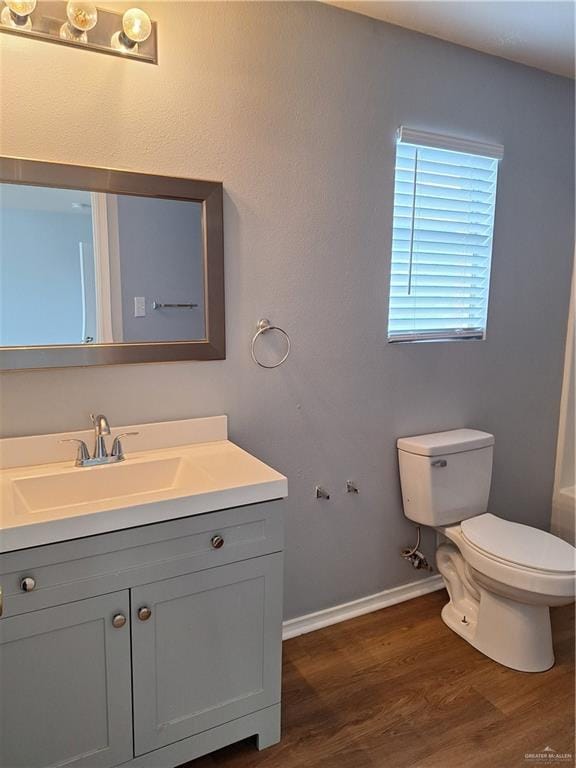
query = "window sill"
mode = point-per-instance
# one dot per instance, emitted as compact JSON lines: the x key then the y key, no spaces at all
{"x":436,"y":341}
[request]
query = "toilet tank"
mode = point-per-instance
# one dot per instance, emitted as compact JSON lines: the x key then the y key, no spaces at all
{"x":445,"y":476}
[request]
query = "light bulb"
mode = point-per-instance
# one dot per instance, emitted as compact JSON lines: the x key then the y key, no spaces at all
{"x":136,"y":25}
{"x":82,"y":16}
{"x":21,"y":7}
{"x":16,"y":13}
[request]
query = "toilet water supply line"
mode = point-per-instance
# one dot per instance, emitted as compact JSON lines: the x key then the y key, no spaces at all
{"x":414,"y":556}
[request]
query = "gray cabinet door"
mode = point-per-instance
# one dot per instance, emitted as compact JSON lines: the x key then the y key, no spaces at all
{"x":65,"y":694}
{"x":209,"y":652}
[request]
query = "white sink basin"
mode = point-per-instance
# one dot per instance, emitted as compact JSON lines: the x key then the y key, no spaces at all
{"x":44,"y":503}
{"x":80,"y":486}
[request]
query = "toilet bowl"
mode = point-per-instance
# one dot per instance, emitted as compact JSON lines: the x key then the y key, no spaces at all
{"x":514,"y":574}
{"x":501,"y":577}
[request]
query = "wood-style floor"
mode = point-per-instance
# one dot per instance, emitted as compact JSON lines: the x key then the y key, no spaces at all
{"x":398,"y":689}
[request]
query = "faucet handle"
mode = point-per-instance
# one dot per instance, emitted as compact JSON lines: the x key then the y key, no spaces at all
{"x":117,"y":445}
{"x":83,"y":454}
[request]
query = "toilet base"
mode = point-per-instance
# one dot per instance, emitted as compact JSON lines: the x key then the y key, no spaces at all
{"x":514,"y":634}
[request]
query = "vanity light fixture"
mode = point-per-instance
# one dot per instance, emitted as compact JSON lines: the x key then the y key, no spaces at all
{"x":131,"y":34}
{"x":136,"y":28}
{"x":16,"y":14}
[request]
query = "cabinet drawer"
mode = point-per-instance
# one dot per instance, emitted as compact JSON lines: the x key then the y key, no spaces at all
{"x":73,"y":570}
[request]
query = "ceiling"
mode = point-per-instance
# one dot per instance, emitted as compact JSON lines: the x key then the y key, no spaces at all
{"x":539,"y":33}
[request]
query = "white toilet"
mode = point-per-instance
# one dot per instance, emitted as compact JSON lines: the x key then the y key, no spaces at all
{"x":501,"y":576}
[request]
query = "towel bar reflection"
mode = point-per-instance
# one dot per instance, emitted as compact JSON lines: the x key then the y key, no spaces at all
{"x":263,"y":327}
{"x":159,"y":305}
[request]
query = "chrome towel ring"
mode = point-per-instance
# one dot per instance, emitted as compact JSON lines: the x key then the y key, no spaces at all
{"x":262,"y":327}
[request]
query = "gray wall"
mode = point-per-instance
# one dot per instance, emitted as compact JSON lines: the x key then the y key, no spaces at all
{"x":161,"y":258}
{"x":294,"y":107}
{"x":40,"y":283}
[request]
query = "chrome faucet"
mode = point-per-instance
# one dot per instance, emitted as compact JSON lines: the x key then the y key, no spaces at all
{"x":101,"y":455}
{"x":101,"y":428}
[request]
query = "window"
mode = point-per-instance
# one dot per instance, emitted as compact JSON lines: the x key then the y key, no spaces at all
{"x":444,"y":197}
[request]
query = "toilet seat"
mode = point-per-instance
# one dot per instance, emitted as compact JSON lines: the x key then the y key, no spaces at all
{"x":532,"y":579}
{"x":519,"y":545}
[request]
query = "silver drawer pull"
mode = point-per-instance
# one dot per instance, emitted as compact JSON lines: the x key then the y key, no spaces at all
{"x":144,"y":613}
{"x":1,"y":602}
{"x":217,"y":541}
{"x":439,"y":463}
{"x":27,"y":584}
{"x":118,"y":620}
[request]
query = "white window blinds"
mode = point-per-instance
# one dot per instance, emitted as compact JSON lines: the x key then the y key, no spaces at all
{"x":444,"y":198}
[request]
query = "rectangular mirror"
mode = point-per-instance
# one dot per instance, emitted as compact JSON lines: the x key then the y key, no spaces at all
{"x":101,"y":267}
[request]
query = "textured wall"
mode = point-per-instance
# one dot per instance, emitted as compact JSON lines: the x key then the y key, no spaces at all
{"x":294,"y":107}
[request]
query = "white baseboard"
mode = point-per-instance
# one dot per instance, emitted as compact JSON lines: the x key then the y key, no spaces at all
{"x":313,"y":621}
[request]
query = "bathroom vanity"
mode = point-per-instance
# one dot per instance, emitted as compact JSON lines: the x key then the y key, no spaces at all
{"x":141,"y":626}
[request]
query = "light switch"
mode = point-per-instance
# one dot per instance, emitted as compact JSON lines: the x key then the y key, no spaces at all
{"x":139,"y":306}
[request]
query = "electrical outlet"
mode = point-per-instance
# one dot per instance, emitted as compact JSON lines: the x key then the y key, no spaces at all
{"x":139,"y":306}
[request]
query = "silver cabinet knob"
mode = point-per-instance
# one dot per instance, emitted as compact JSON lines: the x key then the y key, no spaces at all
{"x":118,"y":620}
{"x":27,"y":584}
{"x":144,"y":613}
{"x":217,"y":541}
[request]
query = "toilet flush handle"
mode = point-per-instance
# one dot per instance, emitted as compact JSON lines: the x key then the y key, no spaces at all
{"x":440,"y":463}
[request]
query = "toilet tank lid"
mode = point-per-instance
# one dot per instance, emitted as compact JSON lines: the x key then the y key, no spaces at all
{"x":443,"y":443}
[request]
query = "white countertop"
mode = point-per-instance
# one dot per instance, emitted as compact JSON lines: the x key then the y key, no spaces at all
{"x":42,"y":503}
